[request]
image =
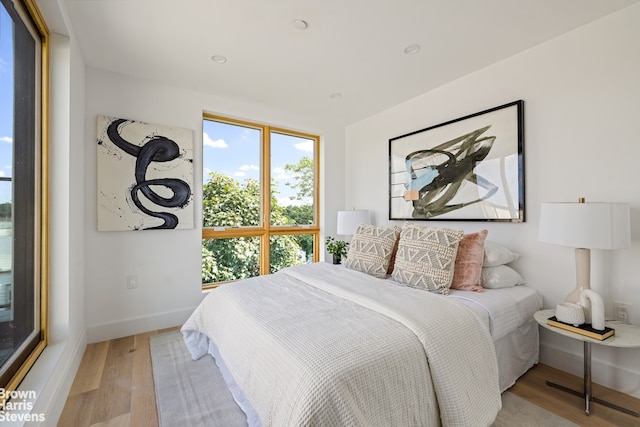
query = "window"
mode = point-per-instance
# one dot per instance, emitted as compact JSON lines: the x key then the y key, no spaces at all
{"x":23,"y":48}
{"x":259,"y":199}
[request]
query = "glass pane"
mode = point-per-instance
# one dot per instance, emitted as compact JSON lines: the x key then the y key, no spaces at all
{"x":224,"y":260}
{"x":231,"y":175}
{"x":19,"y":197}
{"x":292,"y":180}
{"x":288,"y":250}
{"x":6,"y":254}
{"x":7,"y":344}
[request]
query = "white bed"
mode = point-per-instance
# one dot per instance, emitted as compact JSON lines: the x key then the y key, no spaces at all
{"x":287,"y":345}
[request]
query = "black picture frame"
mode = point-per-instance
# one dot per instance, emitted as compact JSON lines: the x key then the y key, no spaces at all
{"x":466,"y":169}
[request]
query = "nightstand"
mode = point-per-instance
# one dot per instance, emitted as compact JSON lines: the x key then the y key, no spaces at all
{"x":625,"y":336}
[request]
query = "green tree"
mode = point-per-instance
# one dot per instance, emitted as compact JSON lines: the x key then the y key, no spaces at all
{"x":303,"y":182}
{"x":5,"y":210}
{"x":303,"y":176}
{"x":229,"y":203}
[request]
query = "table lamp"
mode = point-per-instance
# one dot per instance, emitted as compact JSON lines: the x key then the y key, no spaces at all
{"x":348,"y":221}
{"x":585,"y":226}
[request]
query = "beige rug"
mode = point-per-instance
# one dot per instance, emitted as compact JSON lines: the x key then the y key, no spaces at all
{"x":192,"y":393}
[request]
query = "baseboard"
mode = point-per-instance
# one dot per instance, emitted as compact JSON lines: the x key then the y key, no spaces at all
{"x":138,"y":325}
{"x":603,"y":373}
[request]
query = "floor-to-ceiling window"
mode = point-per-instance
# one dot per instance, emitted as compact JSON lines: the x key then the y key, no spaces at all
{"x":23,"y":160}
{"x":260,"y":199}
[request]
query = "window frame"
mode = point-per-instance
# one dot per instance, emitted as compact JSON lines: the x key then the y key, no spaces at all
{"x":266,"y":229}
{"x":27,"y":353}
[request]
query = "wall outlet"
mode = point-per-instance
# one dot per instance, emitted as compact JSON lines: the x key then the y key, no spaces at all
{"x":621,"y":311}
{"x":132,"y":282}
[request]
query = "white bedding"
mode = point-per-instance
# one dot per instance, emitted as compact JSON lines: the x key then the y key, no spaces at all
{"x":508,"y":313}
{"x":323,"y":345}
{"x":502,"y":310}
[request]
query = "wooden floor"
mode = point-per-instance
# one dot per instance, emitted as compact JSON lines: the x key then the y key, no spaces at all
{"x":114,"y":387}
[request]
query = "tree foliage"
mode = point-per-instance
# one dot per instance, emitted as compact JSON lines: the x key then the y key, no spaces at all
{"x":5,"y":210}
{"x":229,"y":203}
{"x":303,"y":178}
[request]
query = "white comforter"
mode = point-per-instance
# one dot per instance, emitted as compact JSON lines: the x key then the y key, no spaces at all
{"x":321,"y":345}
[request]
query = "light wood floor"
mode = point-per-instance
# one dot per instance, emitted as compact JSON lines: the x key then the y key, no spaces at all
{"x":114,"y":387}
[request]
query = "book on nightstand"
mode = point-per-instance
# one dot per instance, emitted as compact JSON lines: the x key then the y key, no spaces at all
{"x":584,"y":329}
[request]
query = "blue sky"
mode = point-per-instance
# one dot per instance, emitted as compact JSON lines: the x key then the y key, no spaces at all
{"x":6,"y":103}
{"x":235,"y":151}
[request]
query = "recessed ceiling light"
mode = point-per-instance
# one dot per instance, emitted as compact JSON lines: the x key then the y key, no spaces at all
{"x":300,"y":24}
{"x":412,"y":49}
{"x":336,"y":95}
{"x":219,"y":59}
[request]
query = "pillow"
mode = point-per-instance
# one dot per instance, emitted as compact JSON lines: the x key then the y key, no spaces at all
{"x":496,"y":254}
{"x":501,"y":276}
{"x":426,"y":257}
{"x":371,"y":249}
{"x":468,"y":266}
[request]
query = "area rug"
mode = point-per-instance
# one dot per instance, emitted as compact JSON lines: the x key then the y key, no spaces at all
{"x":192,"y":393}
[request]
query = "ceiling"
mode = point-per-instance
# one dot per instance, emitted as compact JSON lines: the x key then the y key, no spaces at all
{"x":354,"y":48}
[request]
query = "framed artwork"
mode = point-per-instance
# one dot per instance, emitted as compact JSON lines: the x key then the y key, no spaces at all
{"x":145,"y":176}
{"x":467,"y":169}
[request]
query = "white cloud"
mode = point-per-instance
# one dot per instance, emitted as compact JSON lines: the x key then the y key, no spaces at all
{"x":218,"y":143}
{"x":249,"y":168}
{"x":239,"y":174}
{"x":2,"y":173}
{"x":6,"y":139}
{"x":286,"y":201}
{"x":280,"y":173}
{"x":307,"y":146}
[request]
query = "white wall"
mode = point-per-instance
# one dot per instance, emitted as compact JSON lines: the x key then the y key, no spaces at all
{"x":52,"y":374}
{"x":581,"y":93}
{"x":166,"y":262}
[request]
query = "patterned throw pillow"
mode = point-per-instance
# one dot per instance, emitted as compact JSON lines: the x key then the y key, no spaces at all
{"x":371,"y":249}
{"x":426,"y":257}
{"x":468,"y":267}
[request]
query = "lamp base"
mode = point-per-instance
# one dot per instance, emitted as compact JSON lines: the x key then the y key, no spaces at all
{"x":574,"y":295}
{"x":583,"y":272}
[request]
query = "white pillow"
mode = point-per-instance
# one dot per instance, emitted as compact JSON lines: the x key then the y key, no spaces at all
{"x":496,"y":254}
{"x":501,"y":276}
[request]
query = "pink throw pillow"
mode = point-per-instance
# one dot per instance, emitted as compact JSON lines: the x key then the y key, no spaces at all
{"x":468,"y":267}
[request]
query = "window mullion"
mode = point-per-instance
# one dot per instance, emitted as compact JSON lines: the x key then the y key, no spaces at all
{"x":266,"y":200}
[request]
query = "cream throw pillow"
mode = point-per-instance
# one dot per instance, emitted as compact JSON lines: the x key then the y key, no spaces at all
{"x":371,"y":249}
{"x":426,"y":257}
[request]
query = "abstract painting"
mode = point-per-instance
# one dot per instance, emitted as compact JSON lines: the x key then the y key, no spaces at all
{"x":145,"y":176}
{"x":467,"y":169}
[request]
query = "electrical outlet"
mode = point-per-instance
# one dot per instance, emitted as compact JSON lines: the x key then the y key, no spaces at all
{"x":132,"y":282}
{"x":621,"y":311}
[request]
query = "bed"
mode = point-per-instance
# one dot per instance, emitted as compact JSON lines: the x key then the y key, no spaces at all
{"x":326,"y":345}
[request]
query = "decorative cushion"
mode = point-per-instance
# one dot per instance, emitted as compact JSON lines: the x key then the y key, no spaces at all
{"x":372,"y":248}
{"x":426,"y":257}
{"x":468,"y":266}
{"x":501,"y":276}
{"x":496,"y":254}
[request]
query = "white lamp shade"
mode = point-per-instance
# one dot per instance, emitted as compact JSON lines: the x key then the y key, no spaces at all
{"x":348,"y":221}
{"x":586,"y":225}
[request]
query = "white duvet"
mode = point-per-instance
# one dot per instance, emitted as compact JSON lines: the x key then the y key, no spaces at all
{"x":321,"y":345}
